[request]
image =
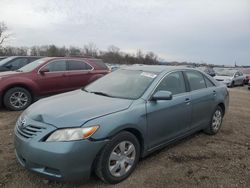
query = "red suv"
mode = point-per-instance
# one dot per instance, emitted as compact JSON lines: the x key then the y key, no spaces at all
{"x":45,"y":77}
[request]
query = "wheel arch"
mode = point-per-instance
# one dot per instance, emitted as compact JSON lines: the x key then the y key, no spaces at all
{"x":222,"y":105}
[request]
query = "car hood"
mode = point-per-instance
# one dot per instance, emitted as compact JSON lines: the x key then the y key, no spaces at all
{"x":75,"y":108}
{"x":222,"y":77}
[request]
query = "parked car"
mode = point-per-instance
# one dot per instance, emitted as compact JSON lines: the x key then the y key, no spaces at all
{"x":209,"y":70}
{"x":230,"y":77}
{"x":111,"y":123}
{"x":2,"y":57}
{"x":47,"y":76}
{"x":16,"y":62}
{"x":247,"y":79}
{"x":247,"y":75}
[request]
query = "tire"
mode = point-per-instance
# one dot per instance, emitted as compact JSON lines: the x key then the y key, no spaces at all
{"x":105,"y":163}
{"x":215,"y":124}
{"x":17,"y":99}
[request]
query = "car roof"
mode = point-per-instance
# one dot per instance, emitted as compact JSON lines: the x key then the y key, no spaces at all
{"x":156,"y":68}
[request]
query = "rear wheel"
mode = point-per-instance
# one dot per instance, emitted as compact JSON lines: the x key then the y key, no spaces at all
{"x":119,"y":158}
{"x":17,"y":98}
{"x":216,"y":121}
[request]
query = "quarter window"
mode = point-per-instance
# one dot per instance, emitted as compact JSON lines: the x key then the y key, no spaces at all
{"x":174,"y":82}
{"x":208,"y":82}
{"x":57,"y":66}
{"x":196,"y":80}
{"x":78,"y":65}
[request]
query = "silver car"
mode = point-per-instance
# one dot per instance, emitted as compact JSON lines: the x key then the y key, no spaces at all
{"x":230,"y":77}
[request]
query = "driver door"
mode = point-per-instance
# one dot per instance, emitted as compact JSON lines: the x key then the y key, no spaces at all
{"x":168,"y":119}
{"x":54,"y":80}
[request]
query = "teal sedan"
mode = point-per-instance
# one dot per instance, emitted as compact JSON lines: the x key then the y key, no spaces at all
{"x":107,"y":126}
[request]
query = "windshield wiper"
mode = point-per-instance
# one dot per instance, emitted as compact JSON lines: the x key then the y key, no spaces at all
{"x":101,"y":93}
{"x":18,"y":70}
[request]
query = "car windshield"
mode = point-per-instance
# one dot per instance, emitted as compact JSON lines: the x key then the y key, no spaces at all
{"x":225,"y":72}
{"x":31,"y":66}
{"x":128,"y":84}
{"x":2,"y":62}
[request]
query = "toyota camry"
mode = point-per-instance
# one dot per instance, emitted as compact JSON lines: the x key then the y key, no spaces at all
{"x":107,"y":126}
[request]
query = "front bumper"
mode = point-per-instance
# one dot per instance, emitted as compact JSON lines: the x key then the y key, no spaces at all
{"x":67,"y":161}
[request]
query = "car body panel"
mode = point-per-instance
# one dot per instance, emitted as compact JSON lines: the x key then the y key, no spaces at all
{"x":61,"y":114}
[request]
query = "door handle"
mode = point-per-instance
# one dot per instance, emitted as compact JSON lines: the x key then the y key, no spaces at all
{"x":187,"y":101}
{"x":214,"y":93}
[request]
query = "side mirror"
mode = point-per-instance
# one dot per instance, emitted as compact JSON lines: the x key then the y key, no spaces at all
{"x":44,"y":70}
{"x":162,"y":95}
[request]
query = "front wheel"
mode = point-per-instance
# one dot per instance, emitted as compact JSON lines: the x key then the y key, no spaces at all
{"x":216,"y":121}
{"x":17,"y":98}
{"x":119,"y":158}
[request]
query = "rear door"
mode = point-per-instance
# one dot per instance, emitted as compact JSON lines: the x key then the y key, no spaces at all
{"x":168,"y":119}
{"x":55,"y":80}
{"x":203,"y":95}
{"x":78,"y":73}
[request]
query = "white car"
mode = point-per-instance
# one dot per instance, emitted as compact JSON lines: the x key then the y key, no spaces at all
{"x":230,"y":77}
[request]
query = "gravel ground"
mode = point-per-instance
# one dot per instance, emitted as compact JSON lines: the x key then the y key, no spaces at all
{"x":197,"y":161}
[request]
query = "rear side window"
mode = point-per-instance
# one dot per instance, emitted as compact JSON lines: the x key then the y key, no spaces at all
{"x":174,"y":82}
{"x":78,"y":65}
{"x":208,"y":82}
{"x":196,"y":80}
{"x":57,"y":66}
{"x":18,"y":63}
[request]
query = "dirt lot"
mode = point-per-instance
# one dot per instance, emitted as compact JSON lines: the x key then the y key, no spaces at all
{"x":198,"y":161}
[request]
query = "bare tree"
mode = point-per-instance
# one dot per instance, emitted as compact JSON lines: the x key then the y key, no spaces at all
{"x":90,"y":50}
{"x":3,"y":33}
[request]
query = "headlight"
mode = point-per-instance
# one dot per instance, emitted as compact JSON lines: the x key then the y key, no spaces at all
{"x":72,"y":134}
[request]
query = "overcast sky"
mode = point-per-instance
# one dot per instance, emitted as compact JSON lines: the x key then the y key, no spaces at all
{"x":208,"y":31}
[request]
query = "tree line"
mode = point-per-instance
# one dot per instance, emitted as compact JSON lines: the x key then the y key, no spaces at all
{"x":112,"y":55}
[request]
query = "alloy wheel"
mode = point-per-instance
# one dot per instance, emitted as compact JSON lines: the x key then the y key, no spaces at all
{"x":217,"y":119}
{"x":122,"y":158}
{"x":18,"y":99}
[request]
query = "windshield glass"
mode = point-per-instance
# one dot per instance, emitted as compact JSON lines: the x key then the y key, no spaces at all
{"x":225,"y":72}
{"x":31,"y":66}
{"x":2,"y":62}
{"x":128,"y":84}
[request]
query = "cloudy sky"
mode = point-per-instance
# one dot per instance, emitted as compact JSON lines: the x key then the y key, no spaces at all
{"x":208,"y":31}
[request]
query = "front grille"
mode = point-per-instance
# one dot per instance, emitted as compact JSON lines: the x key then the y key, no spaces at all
{"x":219,"y":80}
{"x":29,"y":131}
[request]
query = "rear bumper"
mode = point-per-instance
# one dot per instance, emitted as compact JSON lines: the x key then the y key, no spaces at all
{"x":67,"y":161}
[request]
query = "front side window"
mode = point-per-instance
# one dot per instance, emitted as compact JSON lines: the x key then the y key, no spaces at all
{"x":78,"y":65}
{"x":174,"y":82}
{"x":196,"y":80}
{"x":56,"y":66}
